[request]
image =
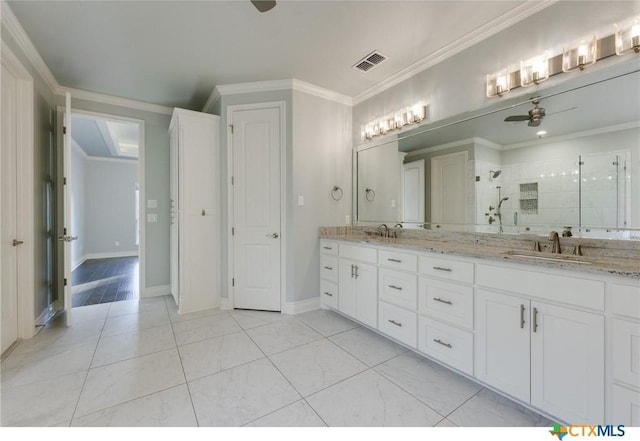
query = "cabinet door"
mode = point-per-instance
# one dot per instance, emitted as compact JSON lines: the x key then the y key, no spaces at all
{"x":567,"y":363}
{"x":502,"y":343}
{"x":347,"y":288}
{"x":367,"y":294}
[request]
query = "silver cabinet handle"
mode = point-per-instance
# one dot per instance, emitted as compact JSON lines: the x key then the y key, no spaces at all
{"x":353,"y":271}
{"x":447,"y":302}
{"x":327,"y":248}
{"x":535,"y":319}
{"x":521,"y":316}
{"x":357,"y":275}
{"x":393,"y":322}
{"x":440,"y":342}
{"x":439,"y":268}
{"x":273,"y":235}
{"x":394,"y":260}
{"x":330,"y":268}
{"x":399,"y":288}
{"x":328,"y":293}
{"x":17,"y":242}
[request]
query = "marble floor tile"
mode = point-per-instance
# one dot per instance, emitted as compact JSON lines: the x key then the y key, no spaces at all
{"x":91,"y":312}
{"x":326,"y":322}
{"x":367,"y":346}
{"x":445,"y":423}
{"x":126,"y":380}
{"x":315,"y":366}
{"x":42,"y":403}
{"x":298,"y":414}
{"x":488,"y":409}
{"x":58,"y":335}
{"x":251,"y":319}
{"x":168,"y":408}
{"x":177,"y":318}
{"x":135,"y":306}
{"x":439,"y":388}
{"x":369,"y":399}
{"x":240,"y":395}
{"x":47,"y":364}
{"x":210,"y":356}
{"x":283,"y":335}
{"x":122,"y":324}
{"x":133,"y":344}
{"x":203,"y":328}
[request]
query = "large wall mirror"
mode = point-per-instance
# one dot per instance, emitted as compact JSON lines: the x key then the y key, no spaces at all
{"x":579,"y":168}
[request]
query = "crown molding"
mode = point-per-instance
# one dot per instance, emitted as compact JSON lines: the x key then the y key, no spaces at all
{"x":211,"y":101}
{"x":17,"y":32}
{"x":268,"y":86}
{"x":485,"y":31}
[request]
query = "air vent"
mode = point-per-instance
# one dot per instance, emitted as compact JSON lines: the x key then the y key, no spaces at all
{"x":370,"y":61}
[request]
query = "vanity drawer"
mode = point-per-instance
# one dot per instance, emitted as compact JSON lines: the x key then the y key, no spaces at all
{"x":398,"y":323}
{"x":446,"y":269}
{"x":624,"y":406}
{"x":447,"y":344}
{"x":329,"y":294}
{"x":363,"y":254}
{"x":328,"y":247}
{"x":329,"y":268}
{"x":626,"y":352}
{"x":449,"y":302}
{"x":398,"y":288}
{"x":625,"y":300}
{"x":401,"y":261}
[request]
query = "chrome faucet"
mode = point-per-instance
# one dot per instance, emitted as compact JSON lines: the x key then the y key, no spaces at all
{"x":553,"y":237}
{"x":385,"y":228}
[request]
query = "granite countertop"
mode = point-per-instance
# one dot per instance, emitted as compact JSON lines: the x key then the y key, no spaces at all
{"x":617,"y":266}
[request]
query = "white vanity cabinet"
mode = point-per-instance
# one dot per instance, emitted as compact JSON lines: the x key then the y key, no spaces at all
{"x":329,"y":274}
{"x":358,"y":284}
{"x":194,"y":225}
{"x":547,"y":355}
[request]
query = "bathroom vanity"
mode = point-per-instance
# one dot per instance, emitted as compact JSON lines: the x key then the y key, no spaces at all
{"x":558,"y":334}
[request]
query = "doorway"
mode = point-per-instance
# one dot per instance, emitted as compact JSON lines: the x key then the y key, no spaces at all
{"x":449,"y":190}
{"x":105,"y":225}
{"x":256,"y":215}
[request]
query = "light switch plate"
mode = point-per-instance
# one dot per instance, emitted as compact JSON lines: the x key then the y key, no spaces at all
{"x":152,"y":203}
{"x":152,"y":218}
{"x":300,"y":200}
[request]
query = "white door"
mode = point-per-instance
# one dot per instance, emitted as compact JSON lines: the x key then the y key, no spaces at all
{"x":67,"y":236}
{"x":502,"y":356}
{"x":413,"y":193}
{"x":257,"y":231}
{"x":8,"y":226}
{"x":448,"y":189}
{"x":567,"y":363}
{"x":347,"y":299}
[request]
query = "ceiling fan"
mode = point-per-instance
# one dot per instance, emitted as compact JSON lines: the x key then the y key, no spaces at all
{"x":263,"y":6}
{"x":535,"y":115}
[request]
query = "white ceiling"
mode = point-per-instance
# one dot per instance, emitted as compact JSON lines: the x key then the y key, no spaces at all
{"x":174,"y":52}
{"x":105,"y":138}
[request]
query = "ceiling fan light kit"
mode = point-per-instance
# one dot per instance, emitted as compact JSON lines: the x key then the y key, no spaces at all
{"x":575,"y":56}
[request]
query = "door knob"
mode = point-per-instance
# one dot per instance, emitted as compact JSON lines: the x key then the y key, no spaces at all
{"x":274,"y":235}
{"x":17,"y":242}
{"x":67,"y":238}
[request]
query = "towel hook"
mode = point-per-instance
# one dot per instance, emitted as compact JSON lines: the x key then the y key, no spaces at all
{"x":336,"y":193}
{"x":369,"y":194}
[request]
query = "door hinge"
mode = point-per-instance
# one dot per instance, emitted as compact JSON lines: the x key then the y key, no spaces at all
{"x":65,"y":231}
{"x":231,"y":127}
{"x":233,"y":282}
{"x":233,"y":231}
{"x":232,"y":181}
{"x":64,"y":181}
{"x":65,"y":282}
{"x":64,"y":130}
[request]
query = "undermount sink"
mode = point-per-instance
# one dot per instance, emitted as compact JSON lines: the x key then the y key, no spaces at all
{"x":537,"y":255}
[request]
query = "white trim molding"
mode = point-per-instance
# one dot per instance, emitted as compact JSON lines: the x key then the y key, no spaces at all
{"x":301,"y":306}
{"x":111,"y":254}
{"x":485,"y":31}
{"x":84,"y":95}
{"x":211,"y":101}
{"x":155,"y":291}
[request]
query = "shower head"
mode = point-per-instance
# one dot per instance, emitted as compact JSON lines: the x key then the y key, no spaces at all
{"x":506,"y":198}
{"x":494,"y":174}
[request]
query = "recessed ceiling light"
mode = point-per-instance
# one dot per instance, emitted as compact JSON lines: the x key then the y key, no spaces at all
{"x":541,"y":132}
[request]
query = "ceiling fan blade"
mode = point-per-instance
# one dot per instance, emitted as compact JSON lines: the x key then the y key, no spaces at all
{"x":263,"y":6}
{"x":561,"y":111}
{"x":514,"y":118}
{"x":535,"y":122}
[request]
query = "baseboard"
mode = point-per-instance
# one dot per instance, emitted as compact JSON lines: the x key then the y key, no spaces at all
{"x":226,"y":304}
{"x":301,"y":306}
{"x":80,"y":262}
{"x":156,"y":291}
{"x":111,"y":254}
{"x":46,"y":315}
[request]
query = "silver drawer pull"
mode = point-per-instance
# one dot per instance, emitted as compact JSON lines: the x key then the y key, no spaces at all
{"x":393,"y":322}
{"x":439,"y":268}
{"x":327,"y":248}
{"x":328,"y":293}
{"x":437,"y":299}
{"x":440,"y":342}
{"x":399,"y":288}
{"x":395,"y":260}
{"x":329,"y":268}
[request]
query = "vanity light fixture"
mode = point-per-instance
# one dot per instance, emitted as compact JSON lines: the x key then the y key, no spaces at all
{"x":628,"y":36}
{"x":534,"y":70}
{"x":394,"y":121}
{"x":580,"y":54}
{"x":498,"y":83}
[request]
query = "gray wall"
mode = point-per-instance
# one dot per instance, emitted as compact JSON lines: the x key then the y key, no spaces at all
{"x":78,"y":214}
{"x":110,"y":206}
